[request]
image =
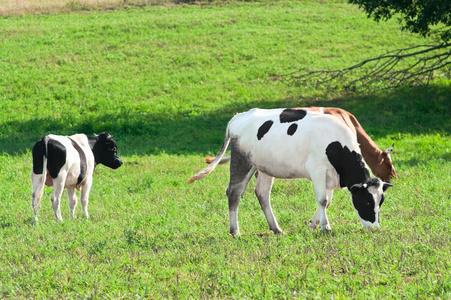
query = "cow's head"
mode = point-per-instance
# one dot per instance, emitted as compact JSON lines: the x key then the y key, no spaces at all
{"x":367,"y":198}
{"x":105,"y":151}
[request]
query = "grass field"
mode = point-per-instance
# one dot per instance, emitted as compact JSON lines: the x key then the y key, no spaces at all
{"x":165,"y":80}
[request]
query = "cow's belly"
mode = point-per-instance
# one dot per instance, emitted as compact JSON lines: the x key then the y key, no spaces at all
{"x":280,"y":167}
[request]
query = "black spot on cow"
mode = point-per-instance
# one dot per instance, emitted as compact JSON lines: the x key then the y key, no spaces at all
{"x":348,"y":164}
{"x":264,"y":129}
{"x":292,"y":129}
{"x":289,"y":115}
{"x":364,"y":204}
{"x":56,"y":154}
{"x":363,"y":200}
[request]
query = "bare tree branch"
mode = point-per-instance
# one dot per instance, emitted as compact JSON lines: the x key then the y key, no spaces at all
{"x":416,"y":65}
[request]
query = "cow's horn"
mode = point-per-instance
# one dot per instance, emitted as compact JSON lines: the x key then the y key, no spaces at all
{"x":389,"y":150}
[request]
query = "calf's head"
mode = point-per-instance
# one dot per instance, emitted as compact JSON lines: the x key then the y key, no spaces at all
{"x":105,"y":151}
{"x":367,"y":198}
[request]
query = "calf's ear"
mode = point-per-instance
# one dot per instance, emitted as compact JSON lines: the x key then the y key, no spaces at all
{"x":386,"y":186}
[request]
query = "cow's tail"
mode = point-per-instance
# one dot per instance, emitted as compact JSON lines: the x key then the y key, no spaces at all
{"x":210,"y":159}
{"x":40,"y":155}
{"x":204,"y":172}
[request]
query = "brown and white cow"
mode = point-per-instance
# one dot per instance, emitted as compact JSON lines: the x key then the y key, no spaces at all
{"x":296,"y":143}
{"x":379,"y":161}
{"x":68,"y":162}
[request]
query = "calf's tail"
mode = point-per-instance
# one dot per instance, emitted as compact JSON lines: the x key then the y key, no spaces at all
{"x":204,"y":172}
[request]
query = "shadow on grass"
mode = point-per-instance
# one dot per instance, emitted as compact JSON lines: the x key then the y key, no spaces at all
{"x":387,"y":114}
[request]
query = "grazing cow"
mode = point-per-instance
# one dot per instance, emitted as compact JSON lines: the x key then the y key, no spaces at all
{"x":296,"y":143}
{"x":68,"y":162}
{"x":379,"y":161}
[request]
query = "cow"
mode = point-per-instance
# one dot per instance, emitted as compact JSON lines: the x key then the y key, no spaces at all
{"x":379,"y":161}
{"x":68,"y":162}
{"x":297,"y":143}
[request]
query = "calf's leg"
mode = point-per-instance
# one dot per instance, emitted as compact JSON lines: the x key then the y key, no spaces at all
{"x":58,"y":188}
{"x":240,"y":171}
{"x":38,"y":190}
{"x":84,"y":196}
{"x":263,"y":192}
{"x":72,"y":201}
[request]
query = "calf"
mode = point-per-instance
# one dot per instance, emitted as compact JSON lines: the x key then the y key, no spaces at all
{"x":379,"y":161}
{"x":296,"y":143}
{"x":68,"y":162}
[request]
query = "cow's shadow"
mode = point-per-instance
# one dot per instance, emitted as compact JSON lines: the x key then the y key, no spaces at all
{"x":388,"y":114}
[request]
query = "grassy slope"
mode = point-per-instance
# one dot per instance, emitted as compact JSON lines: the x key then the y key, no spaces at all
{"x":165,"y":81}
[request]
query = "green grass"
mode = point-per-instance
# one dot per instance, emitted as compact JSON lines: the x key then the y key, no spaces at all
{"x":165,"y":81}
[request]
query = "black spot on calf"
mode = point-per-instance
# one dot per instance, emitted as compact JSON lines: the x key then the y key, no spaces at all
{"x":38,"y":154}
{"x":264,"y":129}
{"x":83,"y":163}
{"x":292,"y":115}
{"x":56,"y":157}
{"x":292,"y":129}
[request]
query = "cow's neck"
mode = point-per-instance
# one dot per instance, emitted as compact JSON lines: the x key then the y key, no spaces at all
{"x":92,"y":144}
{"x":348,"y":164}
{"x":370,"y":151}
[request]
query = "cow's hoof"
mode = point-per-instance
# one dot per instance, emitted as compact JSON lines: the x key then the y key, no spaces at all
{"x":278,"y":231}
{"x":326,"y":230}
{"x":313,"y":225}
{"x":235,"y":234}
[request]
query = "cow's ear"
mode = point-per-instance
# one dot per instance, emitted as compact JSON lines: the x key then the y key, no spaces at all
{"x":386,"y":186}
{"x":357,"y":187}
{"x":389,"y":150}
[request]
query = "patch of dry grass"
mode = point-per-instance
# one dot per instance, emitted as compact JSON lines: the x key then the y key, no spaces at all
{"x":23,"y":7}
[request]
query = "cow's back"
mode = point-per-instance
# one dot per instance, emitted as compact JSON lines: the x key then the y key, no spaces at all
{"x":281,"y":142}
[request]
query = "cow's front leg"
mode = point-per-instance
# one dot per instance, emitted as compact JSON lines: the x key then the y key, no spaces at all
{"x":263,"y":193}
{"x":317,"y":216}
{"x":315,"y":220}
{"x":72,"y":201}
{"x":323,"y":198}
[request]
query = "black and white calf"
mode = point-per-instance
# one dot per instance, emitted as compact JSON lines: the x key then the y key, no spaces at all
{"x":68,"y":162}
{"x":288,"y":143}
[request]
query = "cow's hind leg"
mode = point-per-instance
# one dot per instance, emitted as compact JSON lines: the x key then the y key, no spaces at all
{"x":38,"y":190}
{"x":263,"y":192}
{"x":58,"y":188}
{"x":84,"y":197}
{"x":72,"y":201}
{"x":240,"y":171}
